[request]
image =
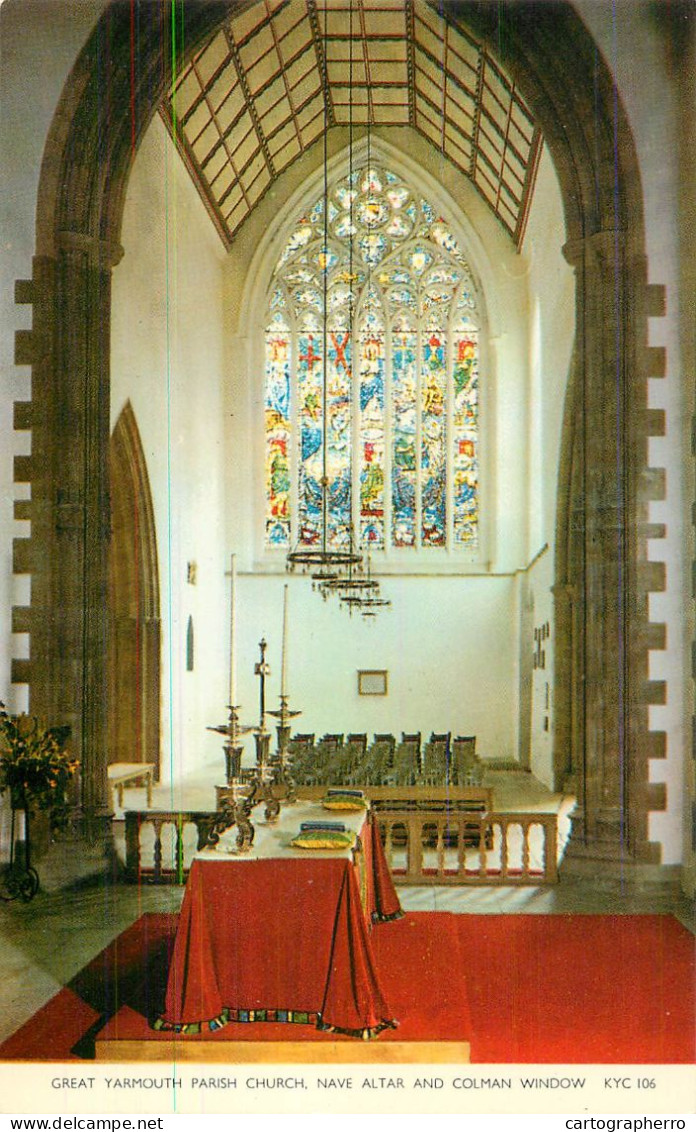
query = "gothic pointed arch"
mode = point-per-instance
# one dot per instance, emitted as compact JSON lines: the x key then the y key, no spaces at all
{"x":134,"y":603}
{"x":606,"y":576}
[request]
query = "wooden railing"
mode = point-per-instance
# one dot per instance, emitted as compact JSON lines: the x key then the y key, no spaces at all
{"x":160,"y":844}
{"x":453,"y":842}
{"x":424,"y":847}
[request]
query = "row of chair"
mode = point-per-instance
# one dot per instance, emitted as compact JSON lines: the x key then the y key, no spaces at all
{"x":348,"y":760}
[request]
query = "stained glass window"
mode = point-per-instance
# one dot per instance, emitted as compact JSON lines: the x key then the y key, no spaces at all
{"x":339,"y":434}
{"x":371,"y":390}
{"x":277,"y":411}
{"x":310,"y":369}
{"x":433,"y":437}
{"x":371,"y":375}
{"x":404,"y":429}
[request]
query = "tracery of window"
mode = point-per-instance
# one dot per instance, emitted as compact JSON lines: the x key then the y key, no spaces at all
{"x":402,"y":440}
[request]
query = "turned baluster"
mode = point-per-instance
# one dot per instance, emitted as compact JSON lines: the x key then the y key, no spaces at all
{"x":504,"y":848}
{"x":550,"y":851}
{"x":179,"y":852}
{"x":414,"y":827}
{"x":133,"y":820}
{"x":461,"y":847}
{"x":486,"y":825}
{"x":157,"y":869}
{"x":525,"y":826}
{"x":440,"y":847}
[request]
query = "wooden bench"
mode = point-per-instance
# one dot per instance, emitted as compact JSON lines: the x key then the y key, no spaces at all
{"x":128,"y":774}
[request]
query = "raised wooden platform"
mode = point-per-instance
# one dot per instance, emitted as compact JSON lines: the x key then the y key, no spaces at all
{"x":127,"y":1037}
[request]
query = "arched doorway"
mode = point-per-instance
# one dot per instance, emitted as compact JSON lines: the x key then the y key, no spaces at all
{"x":134,"y":604}
{"x":603,"y":577}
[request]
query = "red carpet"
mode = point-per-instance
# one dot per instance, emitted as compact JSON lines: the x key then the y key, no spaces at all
{"x":540,"y":989}
{"x":588,"y":989}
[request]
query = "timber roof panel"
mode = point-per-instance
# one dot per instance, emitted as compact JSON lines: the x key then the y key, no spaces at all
{"x":280,"y":72}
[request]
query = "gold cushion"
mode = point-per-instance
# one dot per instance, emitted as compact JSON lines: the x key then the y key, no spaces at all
{"x":323,"y":839}
{"x":348,"y":802}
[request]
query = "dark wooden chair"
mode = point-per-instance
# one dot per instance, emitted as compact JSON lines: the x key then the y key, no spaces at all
{"x":379,"y":759}
{"x":304,"y":740}
{"x":406,"y":764}
{"x":384,"y":737}
{"x":436,"y":760}
{"x":301,"y":751}
{"x":465,"y":764}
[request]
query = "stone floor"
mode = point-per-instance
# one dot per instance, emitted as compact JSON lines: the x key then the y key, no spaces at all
{"x":45,"y":943}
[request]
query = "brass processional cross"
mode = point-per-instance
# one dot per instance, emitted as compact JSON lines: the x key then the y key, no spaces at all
{"x":261,"y":736}
{"x":262,"y":670}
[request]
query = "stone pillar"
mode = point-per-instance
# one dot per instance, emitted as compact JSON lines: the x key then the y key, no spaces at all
{"x":597,"y":567}
{"x":565,"y":777}
{"x":70,"y":509}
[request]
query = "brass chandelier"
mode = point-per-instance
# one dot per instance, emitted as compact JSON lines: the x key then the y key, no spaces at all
{"x":337,"y":570}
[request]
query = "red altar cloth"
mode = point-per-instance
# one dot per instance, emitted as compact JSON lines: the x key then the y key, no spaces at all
{"x":282,"y":938}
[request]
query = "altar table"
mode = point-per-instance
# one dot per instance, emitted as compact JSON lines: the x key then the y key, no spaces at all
{"x":282,"y":934}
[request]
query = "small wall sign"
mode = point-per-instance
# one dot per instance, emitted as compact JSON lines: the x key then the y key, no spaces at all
{"x":372,"y":682}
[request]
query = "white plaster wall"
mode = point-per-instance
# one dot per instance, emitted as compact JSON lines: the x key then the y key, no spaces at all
{"x":539,"y":581}
{"x":551,"y":332}
{"x":167,"y":359}
{"x":447,"y":643}
{"x":628,"y":35}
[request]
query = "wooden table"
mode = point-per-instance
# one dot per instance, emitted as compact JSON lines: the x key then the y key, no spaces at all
{"x":281,"y":934}
{"x":126,"y":774}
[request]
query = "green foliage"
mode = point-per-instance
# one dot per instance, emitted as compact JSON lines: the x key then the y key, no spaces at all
{"x":34,"y":765}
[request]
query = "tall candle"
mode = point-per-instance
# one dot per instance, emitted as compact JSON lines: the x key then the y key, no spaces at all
{"x":283,"y":663}
{"x":233,"y":611}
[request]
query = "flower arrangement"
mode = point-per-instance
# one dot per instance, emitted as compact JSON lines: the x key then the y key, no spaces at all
{"x":34,"y":765}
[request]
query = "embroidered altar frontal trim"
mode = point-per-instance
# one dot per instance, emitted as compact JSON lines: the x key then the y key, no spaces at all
{"x":234,"y":1014}
{"x":302,"y":1017}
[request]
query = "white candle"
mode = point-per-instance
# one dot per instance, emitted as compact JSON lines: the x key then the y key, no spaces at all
{"x":283,"y":663}
{"x":233,"y":661}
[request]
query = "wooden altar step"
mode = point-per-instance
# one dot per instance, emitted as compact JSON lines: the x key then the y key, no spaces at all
{"x":127,"y":1037}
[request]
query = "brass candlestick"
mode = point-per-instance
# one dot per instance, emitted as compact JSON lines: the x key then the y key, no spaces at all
{"x":269,"y":781}
{"x":264,"y":781}
{"x":233,"y":731}
{"x":282,"y":761}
